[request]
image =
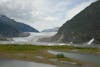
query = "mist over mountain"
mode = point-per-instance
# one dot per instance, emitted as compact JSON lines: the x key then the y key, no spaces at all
{"x":51,"y":30}
{"x":10,"y":27}
{"x":82,"y":27}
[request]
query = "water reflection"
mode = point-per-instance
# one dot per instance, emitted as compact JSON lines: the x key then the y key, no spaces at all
{"x":15,"y":63}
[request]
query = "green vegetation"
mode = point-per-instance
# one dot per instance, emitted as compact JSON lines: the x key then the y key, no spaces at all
{"x":60,"y":56}
{"x":21,"y":48}
{"x":40,"y":53}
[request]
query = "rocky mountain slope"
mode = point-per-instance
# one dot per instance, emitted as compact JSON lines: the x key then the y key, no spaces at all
{"x":82,"y":27}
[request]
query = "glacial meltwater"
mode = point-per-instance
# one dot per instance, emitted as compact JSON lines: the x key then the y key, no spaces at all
{"x":15,"y":63}
{"x":83,"y":57}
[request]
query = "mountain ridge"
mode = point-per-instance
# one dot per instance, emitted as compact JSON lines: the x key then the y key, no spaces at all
{"x":11,"y":28}
{"x":82,"y":27}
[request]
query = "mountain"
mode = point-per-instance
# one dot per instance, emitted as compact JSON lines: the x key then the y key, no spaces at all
{"x":11,"y":28}
{"x":82,"y":27}
{"x":19,"y":26}
{"x":51,"y":30}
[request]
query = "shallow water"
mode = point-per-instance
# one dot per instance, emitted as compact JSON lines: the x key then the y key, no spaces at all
{"x":15,"y":63}
{"x":83,"y":57}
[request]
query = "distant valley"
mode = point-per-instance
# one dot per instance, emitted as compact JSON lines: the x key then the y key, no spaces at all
{"x":51,"y":30}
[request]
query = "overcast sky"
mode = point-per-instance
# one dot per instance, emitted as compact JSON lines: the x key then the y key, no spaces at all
{"x":43,"y":14}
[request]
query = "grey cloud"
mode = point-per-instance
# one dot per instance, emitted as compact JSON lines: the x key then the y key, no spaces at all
{"x":16,"y":9}
{"x":48,"y":13}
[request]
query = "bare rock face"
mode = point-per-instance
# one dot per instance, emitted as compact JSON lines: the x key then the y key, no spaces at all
{"x":82,"y":27}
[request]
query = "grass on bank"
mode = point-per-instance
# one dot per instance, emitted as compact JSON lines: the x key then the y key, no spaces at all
{"x":30,"y":52}
{"x":15,"y":48}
